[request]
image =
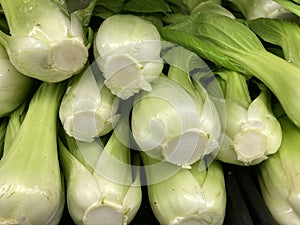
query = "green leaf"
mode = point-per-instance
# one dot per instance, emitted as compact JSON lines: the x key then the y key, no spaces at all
{"x":279,"y":32}
{"x":229,"y":43}
{"x":147,"y":6}
{"x":290,"y":5}
{"x":102,"y":12}
{"x":106,"y":8}
{"x":178,"y":6}
{"x":214,"y":37}
{"x":114,"y":6}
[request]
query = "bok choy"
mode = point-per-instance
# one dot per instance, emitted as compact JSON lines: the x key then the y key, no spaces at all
{"x":279,"y":175}
{"x":177,"y":121}
{"x":185,"y":196}
{"x":102,"y":184}
{"x":252,"y":132}
{"x":214,"y":37}
{"x":283,"y":33}
{"x":127,"y":50}
{"x":31,"y":183}
{"x":46,"y":42}
{"x":88,"y":108}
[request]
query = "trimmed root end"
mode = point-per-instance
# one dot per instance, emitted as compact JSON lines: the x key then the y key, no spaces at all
{"x":84,"y":126}
{"x":105,"y":215}
{"x":68,"y":55}
{"x":250,"y":145}
{"x":185,"y":149}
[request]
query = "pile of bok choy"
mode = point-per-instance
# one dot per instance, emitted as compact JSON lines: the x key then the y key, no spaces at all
{"x":106,"y":103}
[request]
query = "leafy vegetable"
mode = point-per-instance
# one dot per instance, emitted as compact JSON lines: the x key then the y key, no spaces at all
{"x":283,"y":33}
{"x":88,"y":108}
{"x":186,"y":196}
{"x":253,"y":9}
{"x":147,"y":6}
{"x":279,"y":175}
{"x":194,"y":8}
{"x":214,"y":37}
{"x":48,"y":46}
{"x":187,"y":6}
{"x":212,"y":6}
{"x":102,"y":185}
{"x":127,"y":50}
{"x":248,"y":122}
{"x":105,"y":67}
{"x":29,"y":170}
{"x":107,"y":8}
{"x":177,"y":121}
{"x":292,"y":6}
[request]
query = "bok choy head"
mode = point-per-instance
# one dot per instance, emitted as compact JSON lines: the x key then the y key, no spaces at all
{"x":88,"y":108}
{"x":186,"y":196}
{"x":46,"y":42}
{"x":127,"y":49}
{"x":178,"y":121}
{"x":279,"y":175}
{"x":102,"y":183}
{"x":252,"y":132}
{"x":31,"y":183}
